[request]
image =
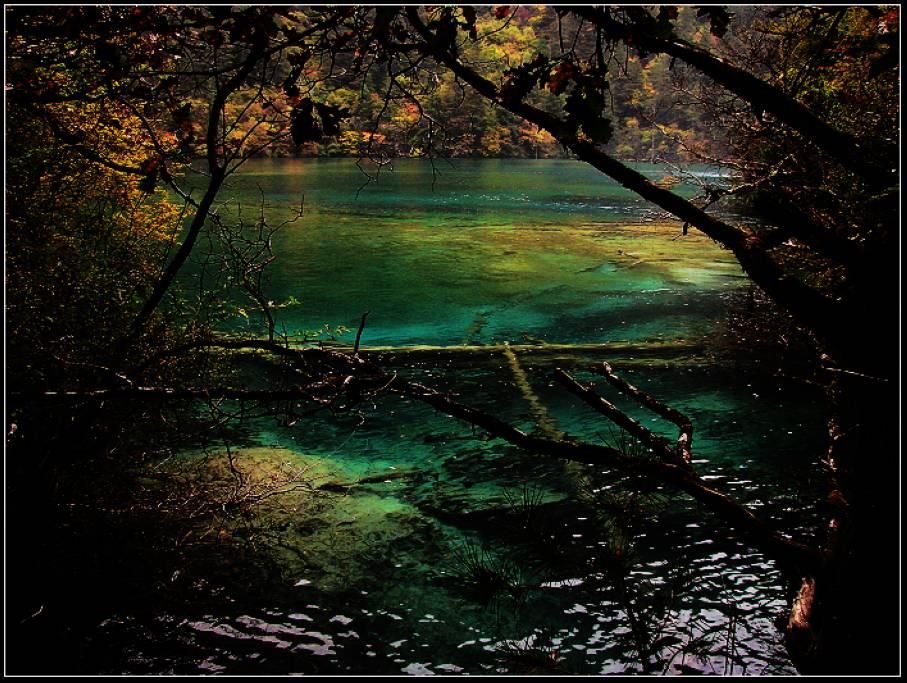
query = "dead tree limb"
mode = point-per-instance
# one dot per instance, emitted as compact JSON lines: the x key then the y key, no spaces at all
{"x":346,"y":486}
{"x":363,"y":378}
{"x":659,"y":445}
{"x":359,"y":333}
{"x":685,"y":440}
{"x":679,"y":475}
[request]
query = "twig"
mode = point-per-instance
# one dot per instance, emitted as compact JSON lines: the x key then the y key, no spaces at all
{"x":359,"y":333}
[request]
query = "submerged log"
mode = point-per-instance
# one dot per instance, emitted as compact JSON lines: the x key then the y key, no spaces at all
{"x":344,"y":486}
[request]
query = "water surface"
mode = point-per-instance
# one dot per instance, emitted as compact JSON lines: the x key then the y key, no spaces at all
{"x":481,"y":251}
{"x":568,"y":269}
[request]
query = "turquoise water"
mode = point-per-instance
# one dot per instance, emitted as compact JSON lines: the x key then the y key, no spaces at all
{"x":570,"y":269}
{"x":485,"y":251}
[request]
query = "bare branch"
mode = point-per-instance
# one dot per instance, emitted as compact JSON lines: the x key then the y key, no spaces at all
{"x":359,"y":333}
{"x":659,"y":445}
{"x":685,"y":440}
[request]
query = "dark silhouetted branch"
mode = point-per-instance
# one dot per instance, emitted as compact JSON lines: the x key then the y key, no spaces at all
{"x":659,"y":445}
{"x":842,"y":147}
{"x":685,"y":440}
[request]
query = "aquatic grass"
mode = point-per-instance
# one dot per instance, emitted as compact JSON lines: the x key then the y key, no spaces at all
{"x":625,"y":443}
{"x":624,"y":501}
{"x":526,"y":658}
{"x":541,"y":534}
{"x":650,"y":609}
{"x":705,"y":641}
{"x":525,"y":502}
{"x":484,"y":575}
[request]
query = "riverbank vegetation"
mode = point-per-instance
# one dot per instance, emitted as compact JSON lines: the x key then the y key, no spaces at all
{"x":124,"y":266}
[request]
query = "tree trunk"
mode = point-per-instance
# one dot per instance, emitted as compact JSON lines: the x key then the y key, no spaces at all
{"x":847,"y":621}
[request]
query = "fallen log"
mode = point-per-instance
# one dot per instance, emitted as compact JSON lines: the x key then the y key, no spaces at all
{"x":344,"y":486}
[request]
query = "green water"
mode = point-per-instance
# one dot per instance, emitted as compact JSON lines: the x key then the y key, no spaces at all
{"x":488,"y":252}
{"x":484,"y":251}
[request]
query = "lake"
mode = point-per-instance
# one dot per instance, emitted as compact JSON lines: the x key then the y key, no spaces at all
{"x":472,"y":556}
{"x":482,"y":251}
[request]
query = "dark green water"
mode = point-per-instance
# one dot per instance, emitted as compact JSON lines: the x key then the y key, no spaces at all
{"x":485,"y":253}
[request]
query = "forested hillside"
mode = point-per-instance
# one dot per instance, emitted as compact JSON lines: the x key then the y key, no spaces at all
{"x":655,"y":117}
